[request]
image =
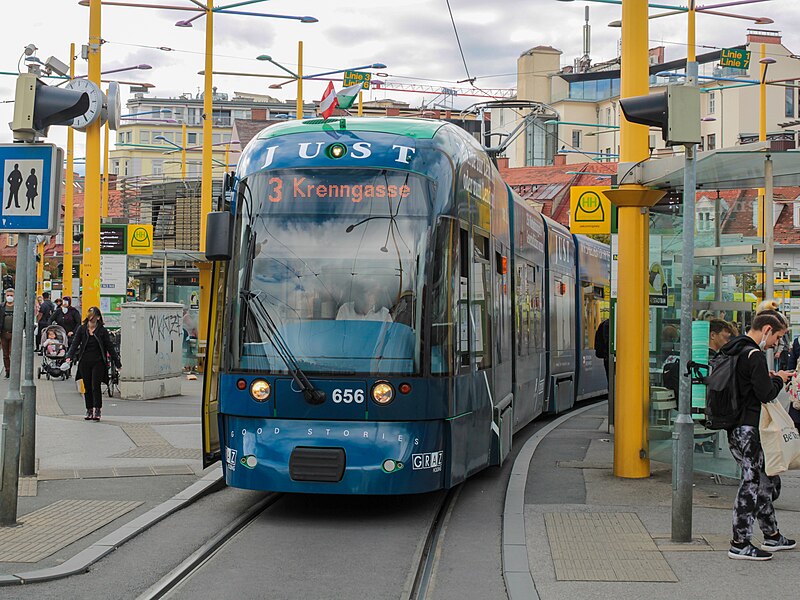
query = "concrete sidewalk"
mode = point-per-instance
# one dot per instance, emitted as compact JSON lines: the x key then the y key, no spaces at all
{"x":589,"y":534}
{"x":100,"y":483}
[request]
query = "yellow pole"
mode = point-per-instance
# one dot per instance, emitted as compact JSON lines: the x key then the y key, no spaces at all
{"x":691,"y":49}
{"x":40,"y":270}
{"x":360,"y":104}
{"x":631,"y":450}
{"x":762,"y":137}
{"x":183,"y":151}
{"x":300,"y":79}
{"x":66,"y":276}
{"x":207,"y":175}
{"x":105,"y":170}
{"x":90,"y":273}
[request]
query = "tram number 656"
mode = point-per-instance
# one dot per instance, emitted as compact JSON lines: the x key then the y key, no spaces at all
{"x":348,"y":396}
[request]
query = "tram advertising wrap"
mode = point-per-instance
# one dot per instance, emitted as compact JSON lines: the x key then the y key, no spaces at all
{"x":391,"y":313}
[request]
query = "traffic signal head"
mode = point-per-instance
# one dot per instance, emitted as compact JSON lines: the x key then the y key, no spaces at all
{"x":37,"y":106}
{"x":676,"y":112}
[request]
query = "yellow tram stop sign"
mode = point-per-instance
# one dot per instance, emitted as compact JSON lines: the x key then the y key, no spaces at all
{"x":140,"y":239}
{"x":589,"y":209}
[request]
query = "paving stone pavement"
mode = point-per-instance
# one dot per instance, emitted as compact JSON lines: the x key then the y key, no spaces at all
{"x":589,"y":546}
{"x":47,"y":530}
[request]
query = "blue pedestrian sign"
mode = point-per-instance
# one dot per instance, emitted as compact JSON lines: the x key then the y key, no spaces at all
{"x":31,"y":187}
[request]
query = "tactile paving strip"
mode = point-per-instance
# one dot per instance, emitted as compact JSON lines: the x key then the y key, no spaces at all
{"x":588,"y":546}
{"x":47,"y":530}
{"x":160,"y":452}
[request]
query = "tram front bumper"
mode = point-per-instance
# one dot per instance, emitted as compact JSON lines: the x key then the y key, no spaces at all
{"x":333,"y":457}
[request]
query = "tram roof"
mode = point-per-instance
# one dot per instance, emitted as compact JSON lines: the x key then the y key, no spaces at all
{"x":415,"y":128}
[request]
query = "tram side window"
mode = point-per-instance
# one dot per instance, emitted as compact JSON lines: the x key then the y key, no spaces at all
{"x":444,"y":287}
{"x":480,"y":315}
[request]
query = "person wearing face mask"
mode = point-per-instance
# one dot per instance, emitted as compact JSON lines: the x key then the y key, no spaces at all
{"x":757,"y":385}
{"x":6,"y":327}
{"x":92,"y":348}
{"x":67,"y":317}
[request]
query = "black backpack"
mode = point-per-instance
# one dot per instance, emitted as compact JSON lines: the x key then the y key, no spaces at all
{"x":724,"y":406}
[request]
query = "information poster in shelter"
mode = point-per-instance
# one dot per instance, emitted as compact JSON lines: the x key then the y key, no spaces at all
{"x":700,"y":333}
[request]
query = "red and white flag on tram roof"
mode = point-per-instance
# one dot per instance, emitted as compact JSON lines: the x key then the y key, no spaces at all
{"x":328,"y":102}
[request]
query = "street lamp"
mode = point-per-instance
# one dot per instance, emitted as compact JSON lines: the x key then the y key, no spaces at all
{"x":201,"y":8}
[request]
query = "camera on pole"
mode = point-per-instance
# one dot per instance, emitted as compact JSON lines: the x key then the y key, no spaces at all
{"x":37,"y":106}
{"x":676,"y":112}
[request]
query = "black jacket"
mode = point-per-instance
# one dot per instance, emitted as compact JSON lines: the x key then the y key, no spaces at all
{"x":755,"y":384}
{"x":69,"y":320}
{"x":3,"y":317}
{"x":81,"y":338}
{"x":46,"y":309}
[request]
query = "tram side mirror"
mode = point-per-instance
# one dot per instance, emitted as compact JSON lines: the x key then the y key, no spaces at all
{"x":219,"y":234}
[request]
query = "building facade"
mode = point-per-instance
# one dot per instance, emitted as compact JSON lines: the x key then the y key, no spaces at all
{"x":584,"y":102}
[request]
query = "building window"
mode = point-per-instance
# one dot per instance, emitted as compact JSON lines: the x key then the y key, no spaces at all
{"x":115,"y":167}
{"x":608,"y":117}
{"x":216,"y":138}
{"x":125,"y":168}
{"x":194,"y":116}
{"x":712,"y":141}
{"x":789,"y":107}
{"x":702,"y":145}
{"x":241,"y":114}
{"x":144,"y":137}
{"x":712,"y":103}
{"x":576,"y":138}
{"x":177,"y":113}
{"x":158,"y":167}
{"x":608,"y":155}
{"x":191,"y":138}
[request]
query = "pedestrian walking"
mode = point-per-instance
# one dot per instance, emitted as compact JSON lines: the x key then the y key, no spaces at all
{"x":602,"y":341}
{"x":757,"y":385}
{"x":92,"y":349}
{"x":6,"y":328}
{"x":44,"y":314}
{"x":68,"y":317}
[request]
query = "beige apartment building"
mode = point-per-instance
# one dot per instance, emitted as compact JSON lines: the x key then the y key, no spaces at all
{"x":150,"y":139}
{"x":589,"y":94}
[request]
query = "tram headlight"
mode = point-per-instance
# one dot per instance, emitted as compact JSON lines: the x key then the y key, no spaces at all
{"x":260,"y":390}
{"x":336,"y":150}
{"x":382,"y":393}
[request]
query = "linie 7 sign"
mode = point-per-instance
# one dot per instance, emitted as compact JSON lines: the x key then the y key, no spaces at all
{"x":737,"y":58}
{"x":31,"y":187}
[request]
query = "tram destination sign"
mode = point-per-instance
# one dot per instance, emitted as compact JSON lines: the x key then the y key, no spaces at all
{"x":737,"y":58}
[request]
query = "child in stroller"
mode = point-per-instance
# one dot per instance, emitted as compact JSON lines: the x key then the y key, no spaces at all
{"x":54,"y":351}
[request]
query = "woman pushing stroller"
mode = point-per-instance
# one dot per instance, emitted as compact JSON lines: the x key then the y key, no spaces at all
{"x":92,"y":348}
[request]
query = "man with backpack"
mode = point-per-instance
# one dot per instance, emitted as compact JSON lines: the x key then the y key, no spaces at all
{"x":751,"y":385}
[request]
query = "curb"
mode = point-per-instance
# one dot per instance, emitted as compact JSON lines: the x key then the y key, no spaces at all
{"x":81,"y":562}
{"x":516,"y":568}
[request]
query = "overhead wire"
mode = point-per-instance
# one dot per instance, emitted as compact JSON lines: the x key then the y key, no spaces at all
{"x":458,"y":39}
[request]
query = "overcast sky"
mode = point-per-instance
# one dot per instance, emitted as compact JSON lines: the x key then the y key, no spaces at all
{"x":414,"y":38}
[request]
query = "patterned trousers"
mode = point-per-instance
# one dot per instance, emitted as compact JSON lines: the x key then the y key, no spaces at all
{"x":757,"y":490}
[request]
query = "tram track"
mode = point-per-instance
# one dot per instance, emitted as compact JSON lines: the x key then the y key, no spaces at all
{"x":163,"y":587}
{"x":431,"y":548}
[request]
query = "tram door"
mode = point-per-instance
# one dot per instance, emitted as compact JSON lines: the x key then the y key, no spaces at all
{"x":211,"y":442}
{"x":471,"y":433}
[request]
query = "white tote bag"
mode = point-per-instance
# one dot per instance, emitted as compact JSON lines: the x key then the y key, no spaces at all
{"x":779,"y":439}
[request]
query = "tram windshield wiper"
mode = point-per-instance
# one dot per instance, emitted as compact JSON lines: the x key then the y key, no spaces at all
{"x":266,"y":324}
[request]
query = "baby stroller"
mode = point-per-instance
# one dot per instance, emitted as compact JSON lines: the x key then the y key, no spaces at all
{"x":54,"y":346}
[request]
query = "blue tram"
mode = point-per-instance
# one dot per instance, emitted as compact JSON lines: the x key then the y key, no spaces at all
{"x":386,"y":312}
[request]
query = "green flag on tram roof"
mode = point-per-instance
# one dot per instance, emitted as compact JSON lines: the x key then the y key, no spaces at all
{"x":346,"y":96}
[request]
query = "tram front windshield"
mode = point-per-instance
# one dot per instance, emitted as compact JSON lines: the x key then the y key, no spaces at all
{"x":332,"y":264}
